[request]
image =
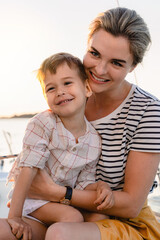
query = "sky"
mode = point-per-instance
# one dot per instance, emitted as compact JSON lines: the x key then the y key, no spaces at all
{"x":31,"y":31}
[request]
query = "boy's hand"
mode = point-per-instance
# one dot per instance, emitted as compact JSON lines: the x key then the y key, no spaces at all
{"x":20,"y":229}
{"x":105,"y":197}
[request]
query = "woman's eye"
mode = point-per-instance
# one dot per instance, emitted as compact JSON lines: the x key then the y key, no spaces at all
{"x":95,"y":54}
{"x":117,"y":63}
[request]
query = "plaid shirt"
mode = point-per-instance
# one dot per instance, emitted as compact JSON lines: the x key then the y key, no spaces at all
{"x":48,"y":144}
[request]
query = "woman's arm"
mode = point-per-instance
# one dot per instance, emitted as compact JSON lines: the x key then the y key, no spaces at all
{"x":140,"y":172}
{"x":44,"y":188}
{"x":139,"y":176}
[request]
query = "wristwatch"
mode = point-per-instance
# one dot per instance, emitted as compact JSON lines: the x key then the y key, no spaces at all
{"x":67,"y":199}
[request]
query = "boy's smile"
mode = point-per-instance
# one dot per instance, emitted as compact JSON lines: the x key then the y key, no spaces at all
{"x":63,"y":101}
{"x":65,"y":92}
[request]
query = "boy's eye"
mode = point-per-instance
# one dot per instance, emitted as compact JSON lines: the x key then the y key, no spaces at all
{"x":67,"y":83}
{"x":50,"y":89}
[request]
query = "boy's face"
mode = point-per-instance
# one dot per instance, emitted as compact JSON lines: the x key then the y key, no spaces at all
{"x":65,"y":92}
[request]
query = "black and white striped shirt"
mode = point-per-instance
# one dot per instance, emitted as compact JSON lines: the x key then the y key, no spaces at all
{"x":134,"y":125}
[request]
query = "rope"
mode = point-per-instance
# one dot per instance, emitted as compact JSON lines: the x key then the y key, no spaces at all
{"x":8,"y":156}
{"x":118,"y":3}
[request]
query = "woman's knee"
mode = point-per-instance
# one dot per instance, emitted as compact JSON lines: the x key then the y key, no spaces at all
{"x":56,"y":231}
{"x":68,"y":231}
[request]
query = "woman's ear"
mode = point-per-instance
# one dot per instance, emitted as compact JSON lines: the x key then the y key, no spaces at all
{"x":132,"y":68}
{"x":88,"y":89}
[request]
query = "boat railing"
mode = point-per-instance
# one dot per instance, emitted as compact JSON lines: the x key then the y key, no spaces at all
{"x":8,"y":156}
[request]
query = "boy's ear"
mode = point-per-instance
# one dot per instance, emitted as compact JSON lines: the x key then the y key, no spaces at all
{"x":88,"y":89}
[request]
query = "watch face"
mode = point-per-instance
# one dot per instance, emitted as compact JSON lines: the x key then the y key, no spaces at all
{"x":65,"y":201}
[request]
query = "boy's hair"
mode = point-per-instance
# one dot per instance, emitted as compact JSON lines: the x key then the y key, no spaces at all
{"x":53,"y":62}
{"x":126,"y":23}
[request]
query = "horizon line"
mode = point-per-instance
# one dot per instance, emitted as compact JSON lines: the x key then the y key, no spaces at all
{"x":19,"y":115}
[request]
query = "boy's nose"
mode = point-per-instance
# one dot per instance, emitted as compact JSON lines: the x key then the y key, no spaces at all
{"x":60,"y":92}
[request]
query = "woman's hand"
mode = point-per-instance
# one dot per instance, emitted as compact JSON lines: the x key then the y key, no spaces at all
{"x":105,"y":197}
{"x":44,"y":188}
{"x":20,"y":229}
{"x":40,"y":185}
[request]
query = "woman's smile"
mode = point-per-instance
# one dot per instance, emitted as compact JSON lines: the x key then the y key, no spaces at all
{"x":97,"y":79}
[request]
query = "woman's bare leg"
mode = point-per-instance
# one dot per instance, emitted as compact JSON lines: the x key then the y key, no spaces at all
{"x":38,"y":230}
{"x":5,"y":232}
{"x":93,"y":217}
{"x":76,"y":231}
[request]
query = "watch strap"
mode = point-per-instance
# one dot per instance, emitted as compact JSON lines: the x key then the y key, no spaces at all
{"x":69,"y":191}
{"x":67,"y":199}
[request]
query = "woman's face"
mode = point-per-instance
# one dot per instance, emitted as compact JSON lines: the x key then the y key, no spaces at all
{"x":108,"y":60}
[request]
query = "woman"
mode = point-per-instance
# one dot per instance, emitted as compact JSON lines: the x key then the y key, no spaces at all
{"x":127,"y":119}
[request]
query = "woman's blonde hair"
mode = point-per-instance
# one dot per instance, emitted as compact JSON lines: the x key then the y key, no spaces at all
{"x":126,"y":23}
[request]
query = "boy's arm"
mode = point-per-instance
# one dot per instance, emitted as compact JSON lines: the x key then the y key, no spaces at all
{"x":21,"y":188}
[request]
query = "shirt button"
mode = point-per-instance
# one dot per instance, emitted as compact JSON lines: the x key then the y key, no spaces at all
{"x":74,"y":149}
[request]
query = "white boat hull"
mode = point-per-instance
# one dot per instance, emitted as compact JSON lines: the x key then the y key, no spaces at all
{"x":3,"y":195}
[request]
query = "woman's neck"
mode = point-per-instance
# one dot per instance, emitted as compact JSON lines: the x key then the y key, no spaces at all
{"x":102,"y":104}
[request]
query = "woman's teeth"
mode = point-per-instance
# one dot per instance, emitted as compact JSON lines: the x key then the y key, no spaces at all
{"x":98,"y":79}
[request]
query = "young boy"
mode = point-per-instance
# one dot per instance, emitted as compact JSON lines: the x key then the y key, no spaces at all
{"x":60,"y":140}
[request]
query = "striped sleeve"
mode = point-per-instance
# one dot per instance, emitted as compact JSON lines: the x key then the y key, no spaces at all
{"x":147,"y":135}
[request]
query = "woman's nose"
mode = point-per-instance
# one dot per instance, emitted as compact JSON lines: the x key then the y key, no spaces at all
{"x":101,"y":68}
